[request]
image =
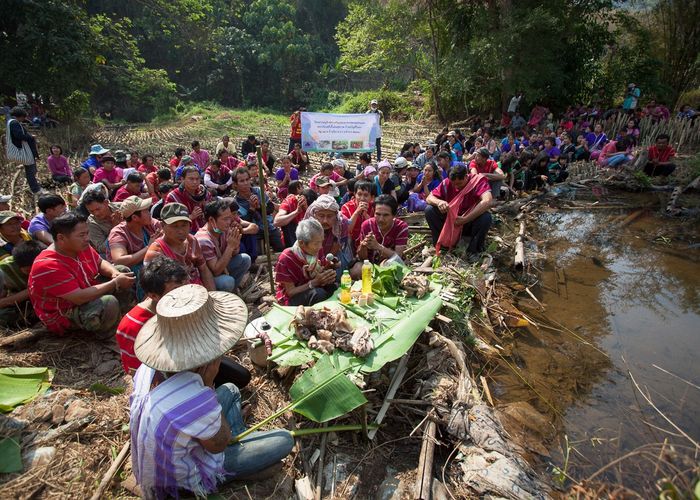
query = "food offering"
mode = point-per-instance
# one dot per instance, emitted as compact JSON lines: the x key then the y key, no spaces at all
{"x":327,"y":328}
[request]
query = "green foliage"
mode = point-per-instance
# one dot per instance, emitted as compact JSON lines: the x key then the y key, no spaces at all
{"x":394,"y":105}
{"x":75,"y":105}
{"x":642,"y":179}
{"x":44,"y":47}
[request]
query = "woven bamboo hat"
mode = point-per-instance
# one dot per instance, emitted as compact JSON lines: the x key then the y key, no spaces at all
{"x":191,"y":328}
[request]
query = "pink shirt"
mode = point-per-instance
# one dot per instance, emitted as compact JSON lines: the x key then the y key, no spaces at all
{"x":113,"y":176}
{"x":201,"y":159}
{"x":58,"y":165}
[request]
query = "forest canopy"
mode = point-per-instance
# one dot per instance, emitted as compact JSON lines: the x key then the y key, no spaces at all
{"x":134,"y":60}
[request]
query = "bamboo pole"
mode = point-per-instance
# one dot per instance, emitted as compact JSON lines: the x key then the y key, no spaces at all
{"x":266,"y":229}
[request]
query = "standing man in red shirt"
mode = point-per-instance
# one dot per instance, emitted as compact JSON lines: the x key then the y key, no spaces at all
{"x":64,"y":287}
{"x":660,"y":156}
{"x":473,"y":215}
{"x":295,"y":125}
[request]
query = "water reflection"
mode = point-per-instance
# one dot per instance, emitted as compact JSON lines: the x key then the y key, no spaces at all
{"x":632,"y":291}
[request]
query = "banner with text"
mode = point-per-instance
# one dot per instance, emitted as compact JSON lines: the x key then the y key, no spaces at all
{"x":351,"y":133}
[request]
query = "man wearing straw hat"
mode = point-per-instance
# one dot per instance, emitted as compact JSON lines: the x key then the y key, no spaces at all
{"x":180,"y":425}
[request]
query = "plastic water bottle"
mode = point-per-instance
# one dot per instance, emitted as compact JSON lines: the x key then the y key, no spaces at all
{"x":366,"y":277}
{"x":345,"y":285}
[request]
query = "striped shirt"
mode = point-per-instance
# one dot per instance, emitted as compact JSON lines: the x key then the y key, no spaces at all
{"x":165,"y":424}
{"x":54,"y":275}
{"x":397,"y":235}
{"x":129,"y":327}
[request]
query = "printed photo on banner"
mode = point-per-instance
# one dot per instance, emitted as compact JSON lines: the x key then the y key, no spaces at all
{"x":339,"y":133}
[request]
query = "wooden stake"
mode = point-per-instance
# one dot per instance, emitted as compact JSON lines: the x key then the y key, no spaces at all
{"x":266,"y":229}
{"x":519,"y":260}
{"x":424,"y":481}
{"x":109,"y":475}
{"x":319,"y":477}
{"x":393,"y":387}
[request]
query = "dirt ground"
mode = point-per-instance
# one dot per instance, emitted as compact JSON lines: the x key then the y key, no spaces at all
{"x":95,"y":418}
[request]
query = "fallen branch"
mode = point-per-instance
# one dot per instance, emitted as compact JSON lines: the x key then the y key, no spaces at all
{"x":109,"y":475}
{"x":672,"y":206}
{"x":23,"y":336}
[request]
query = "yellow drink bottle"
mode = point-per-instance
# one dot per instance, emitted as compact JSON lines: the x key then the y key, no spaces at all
{"x":366,"y":277}
{"x":345,"y":285}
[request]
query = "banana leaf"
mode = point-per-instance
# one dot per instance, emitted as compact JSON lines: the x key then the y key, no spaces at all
{"x":338,"y":396}
{"x":19,"y":385}
{"x":399,"y":338}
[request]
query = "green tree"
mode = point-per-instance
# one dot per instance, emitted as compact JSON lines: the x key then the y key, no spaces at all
{"x":45,"y":47}
{"x":123,"y":86}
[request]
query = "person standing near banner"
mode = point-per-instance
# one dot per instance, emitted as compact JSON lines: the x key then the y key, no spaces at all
{"x":373,"y":108}
{"x":295,"y":125}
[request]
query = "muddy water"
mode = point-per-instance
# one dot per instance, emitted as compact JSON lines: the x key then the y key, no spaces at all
{"x":617,"y":300}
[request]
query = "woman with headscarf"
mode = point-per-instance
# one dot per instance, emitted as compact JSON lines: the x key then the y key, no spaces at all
{"x":335,"y":225}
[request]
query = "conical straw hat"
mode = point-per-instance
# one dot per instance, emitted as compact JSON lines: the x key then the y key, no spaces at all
{"x":191,"y":328}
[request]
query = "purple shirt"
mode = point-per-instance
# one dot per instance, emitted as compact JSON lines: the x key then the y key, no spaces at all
{"x":293,"y":174}
{"x":166,"y":424}
{"x":58,"y":165}
{"x":39,"y":223}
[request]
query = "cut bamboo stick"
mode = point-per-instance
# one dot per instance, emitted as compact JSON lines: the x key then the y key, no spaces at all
{"x":519,"y":260}
{"x":424,"y":481}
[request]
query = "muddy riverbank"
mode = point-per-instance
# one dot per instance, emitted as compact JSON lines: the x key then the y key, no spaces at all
{"x":620,"y":290}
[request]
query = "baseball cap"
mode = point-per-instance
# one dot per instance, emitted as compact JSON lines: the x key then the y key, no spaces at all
{"x":174,"y":212}
{"x":373,"y":101}
{"x":7,"y":215}
{"x":134,"y":204}
{"x":413,"y":165}
{"x":484,"y":152}
{"x":400,"y":163}
{"x":5,"y":198}
{"x":323,"y":181}
{"x":185,"y":160}
{"x":251,"y":159}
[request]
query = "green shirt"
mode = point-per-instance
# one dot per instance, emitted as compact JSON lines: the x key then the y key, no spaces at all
{"x":15,"y":279}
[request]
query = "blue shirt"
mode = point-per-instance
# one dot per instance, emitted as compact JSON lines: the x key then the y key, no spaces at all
{"x":39,"y":223}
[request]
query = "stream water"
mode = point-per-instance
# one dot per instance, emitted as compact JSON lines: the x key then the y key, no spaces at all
{"x":618,"y":300}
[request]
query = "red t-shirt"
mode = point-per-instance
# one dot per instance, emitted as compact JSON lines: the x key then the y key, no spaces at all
{"x":54,"y":275}
{"x":147,"y":170}
{"x":289,"y":205}
{"x":174,"y":163}
{"x":396,"y":236}
{"x":129,"y":327}
{"x":489,"y":168}
{"x":122,"y":194}
{"x":290,"y":269}
{"x":661,"y":156}
{"x":349,"y":209}
{"x":446,"y":191}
